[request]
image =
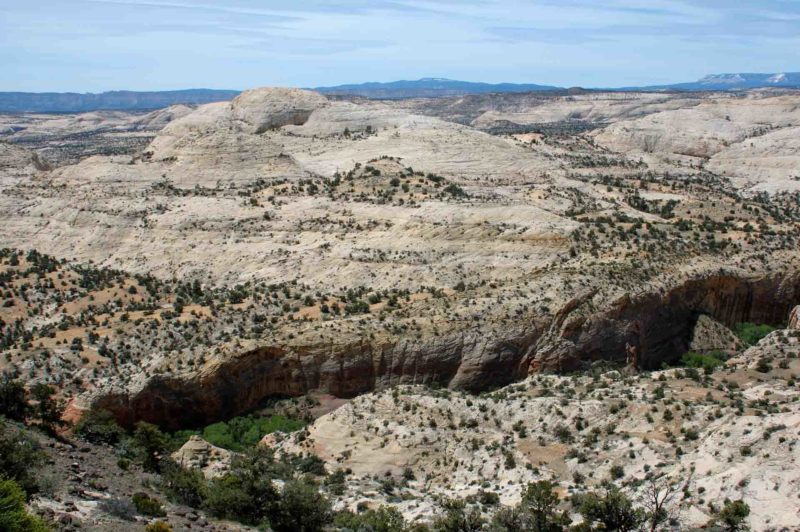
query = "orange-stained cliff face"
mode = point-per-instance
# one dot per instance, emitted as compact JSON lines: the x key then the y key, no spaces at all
{"x":656,"y":327}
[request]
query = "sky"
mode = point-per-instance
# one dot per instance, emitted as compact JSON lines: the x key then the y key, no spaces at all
{"x":99,"y":45}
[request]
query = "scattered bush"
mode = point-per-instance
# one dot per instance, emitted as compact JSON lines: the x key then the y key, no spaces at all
{"x":733,"y":515}
{"x":121,"y":508}
{"x":151,"y":444}
{"x":246,"y":493}
{"x":158,"y":526}
{"x":48,"y":410}
{"x":384,"y":519}
{"x":538,"y":509}
{"x":99,"y":426}
{"x":147,"y":505}
{"x":458,"y":519}
{"x":182,"y":485}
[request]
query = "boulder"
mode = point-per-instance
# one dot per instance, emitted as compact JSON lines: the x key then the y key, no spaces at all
{"x":197,"y":453}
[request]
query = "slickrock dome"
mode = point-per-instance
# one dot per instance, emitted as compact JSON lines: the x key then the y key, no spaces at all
{"x":270,"y":108}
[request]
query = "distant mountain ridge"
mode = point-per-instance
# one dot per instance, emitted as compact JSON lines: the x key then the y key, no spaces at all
{"x":441,"y":87}
{"x":69,"y":102}
{"x":427,"y":87}
{"x":72,"y":102}
{"x":741,"y":81}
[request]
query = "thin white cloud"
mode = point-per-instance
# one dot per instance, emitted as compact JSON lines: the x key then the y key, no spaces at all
{"x":102,"y":44}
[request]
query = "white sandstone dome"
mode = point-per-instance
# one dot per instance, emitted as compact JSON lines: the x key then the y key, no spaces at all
{"x":270,"y":108}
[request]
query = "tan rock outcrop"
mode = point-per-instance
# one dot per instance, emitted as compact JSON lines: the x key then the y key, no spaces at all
{"x":197,"y":453}
{"x":710,"y":335}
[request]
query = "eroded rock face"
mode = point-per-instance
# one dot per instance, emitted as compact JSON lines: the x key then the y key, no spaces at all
{"x":794,"y":318}
{"x":658,"y":326}
{"x":270,"y":108}
{"x":240,"y":382}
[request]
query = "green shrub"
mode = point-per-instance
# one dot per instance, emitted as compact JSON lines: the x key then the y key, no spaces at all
{"x":184,"y":486}
{"x":246,"y":493}
{"x":119,"y":507}
{"x":48,"y":410}
{"x":245,"y":432}
{"x":151,"y":444}
{"x":707,"y":362}
{"x":20,"y":456}
{"x":147,"y":505}
{"x":733,"y":515}
{"x":488,"y":498}
{"x":335,"y":482}
{"x":538,"y":510}
{"x":458,"y":519}
{"x":13,"y":403}
{"x":99,"y":426}
{"x":311,"y":464}
{"x":613,"y":510}
{"x":13,"y":516}
{"x":763,"y":365}
{"x":455,"y":190}
{"x":301,"y":508}
{"x":751,"y":333}
{"x":384,"y":519}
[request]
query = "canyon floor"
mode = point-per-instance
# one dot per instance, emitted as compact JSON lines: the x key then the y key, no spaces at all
{"x":474,"y":282}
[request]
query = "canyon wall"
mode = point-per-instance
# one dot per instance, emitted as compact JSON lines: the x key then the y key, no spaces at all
{"x":652,"y":328}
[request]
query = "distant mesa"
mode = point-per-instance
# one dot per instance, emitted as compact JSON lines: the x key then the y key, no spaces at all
{"x":72,"y":102}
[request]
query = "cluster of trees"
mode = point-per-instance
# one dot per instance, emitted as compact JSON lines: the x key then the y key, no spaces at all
{"x":752,"y":333}
{"x":248,"y":493}
{"x":37,"y":405}
{"x":243,"y":432}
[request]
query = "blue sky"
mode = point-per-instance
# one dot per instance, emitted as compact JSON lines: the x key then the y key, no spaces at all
{"x":97,"y":45}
